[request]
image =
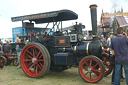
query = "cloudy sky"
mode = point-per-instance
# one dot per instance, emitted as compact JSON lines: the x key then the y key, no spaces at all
{"x":12,"y":8}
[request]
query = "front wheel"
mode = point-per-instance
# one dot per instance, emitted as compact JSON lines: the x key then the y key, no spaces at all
{"x":91,"y":69}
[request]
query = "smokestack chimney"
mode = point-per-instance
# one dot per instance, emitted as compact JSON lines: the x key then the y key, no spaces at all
{"x":93,"y":11}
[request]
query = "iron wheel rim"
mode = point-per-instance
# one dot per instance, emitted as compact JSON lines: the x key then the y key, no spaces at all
{"x":33,"y":64}
{"x":94,"y":71}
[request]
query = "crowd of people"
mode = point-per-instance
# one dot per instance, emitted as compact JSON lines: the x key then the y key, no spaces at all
{"x":118,"y":45}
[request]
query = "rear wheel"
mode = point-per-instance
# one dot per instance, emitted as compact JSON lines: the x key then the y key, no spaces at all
{"x":34,"y":60}
{"x":91,"y":69}
{"x":107,"y":64}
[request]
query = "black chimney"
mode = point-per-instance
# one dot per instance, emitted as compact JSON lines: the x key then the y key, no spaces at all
{"x":94,"y":20}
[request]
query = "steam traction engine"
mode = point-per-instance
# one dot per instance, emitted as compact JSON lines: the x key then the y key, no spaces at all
{"x":62,"y":50}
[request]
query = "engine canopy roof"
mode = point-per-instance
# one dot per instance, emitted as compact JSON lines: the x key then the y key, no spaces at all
{"x":54,"y":16}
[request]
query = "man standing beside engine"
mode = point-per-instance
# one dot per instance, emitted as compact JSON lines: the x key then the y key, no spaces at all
{"x":18,"y":50}
{"x":119,"y":47}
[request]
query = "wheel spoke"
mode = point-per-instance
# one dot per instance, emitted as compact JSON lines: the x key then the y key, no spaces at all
{"x":86,"y":73}
{"x":39,"y":66}
{"x":33,"y":52}
{"x":86,"y":63}
{"x":94,"y":70}
{"x":106,"y":70}
{"x":41,"y":60}
{"x":90,"y":76}
{"x":29,"y":64}
{"x":28,"y":56}
{"x":36,"y":69}
{"x":96,"y":74}
{"x":107,"y":65}
{"x":38,"y":54}
{"x":95,"y":65}
{"x":85,"y":69}
{"x":31,"y":67}
{"x":27,"y":60}
{"x":29,"y":53}
{"x":91,"y":62}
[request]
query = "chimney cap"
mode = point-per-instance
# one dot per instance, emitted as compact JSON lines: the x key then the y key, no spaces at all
{"x":93,"y":6}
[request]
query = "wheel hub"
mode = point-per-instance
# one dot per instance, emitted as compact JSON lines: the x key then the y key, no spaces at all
{"x":34,"y":60}
{"x":89,"y":69}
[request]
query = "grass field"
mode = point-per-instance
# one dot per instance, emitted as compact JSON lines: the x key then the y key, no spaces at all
{"x":10,"y":75}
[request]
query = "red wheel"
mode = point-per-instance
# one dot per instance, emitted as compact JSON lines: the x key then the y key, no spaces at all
{"x":107,"y":64}
{"x":48,"y":55}
{"x":3,"y":61}
{"x":34,"y":60}
{"x":91,"y":69}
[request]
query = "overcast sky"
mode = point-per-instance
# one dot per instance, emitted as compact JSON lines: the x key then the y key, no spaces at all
{"x":12,"y":8}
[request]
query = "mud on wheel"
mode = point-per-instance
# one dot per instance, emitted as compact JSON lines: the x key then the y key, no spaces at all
{"x":91,"y":69}
{"x":35,"y":60}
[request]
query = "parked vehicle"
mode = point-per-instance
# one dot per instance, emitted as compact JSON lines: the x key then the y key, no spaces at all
{"x":12,"y":56}
{"x":57,"y":51}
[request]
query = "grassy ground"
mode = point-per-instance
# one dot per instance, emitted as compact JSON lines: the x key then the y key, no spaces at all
{"x":10,"y":75}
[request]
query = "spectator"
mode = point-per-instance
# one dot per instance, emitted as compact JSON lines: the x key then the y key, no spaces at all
{"x":109,"y":40}
{"x":7,"y":48}
{"x":5,"y":41}
{"x":1,"y":42}
{"x":119,"y":47}
{"x":10,"y":41}
{"x":99,"y":37}
{"x":112,"y":59}
{"x":103,"y":41}
{"x":1,"y":51}
{"x":18,"y":50}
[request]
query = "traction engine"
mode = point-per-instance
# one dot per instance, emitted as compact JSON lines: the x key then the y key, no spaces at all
{"x":59,"y":52}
